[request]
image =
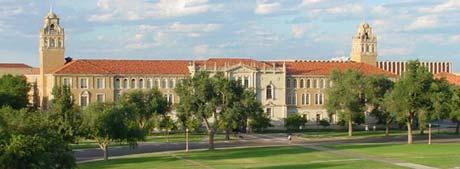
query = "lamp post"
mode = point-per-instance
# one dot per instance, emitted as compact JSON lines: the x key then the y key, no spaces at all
{"x":186,"y":140}
{"x":429,"y":133}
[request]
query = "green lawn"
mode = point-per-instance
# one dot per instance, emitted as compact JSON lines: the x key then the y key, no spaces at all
{"x":344,"y":134}
{"x":435,"y":155}
{"x":262,"y":158}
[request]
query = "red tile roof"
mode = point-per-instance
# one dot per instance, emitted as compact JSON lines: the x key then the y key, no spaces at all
{"x":176,"y":67}
{"x":14,"y":65}
{"x":451,"y":78}
{"x":222,"y":62}
{"x":326,"y":67}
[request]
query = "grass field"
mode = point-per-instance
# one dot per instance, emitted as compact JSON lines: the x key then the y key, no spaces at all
{"x":436,"y":155}
{"x":339,"y":134}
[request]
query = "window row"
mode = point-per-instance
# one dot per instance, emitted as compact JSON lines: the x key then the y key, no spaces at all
{"x":83,"y":83}
{"x":305,"y":98}
{"x":85,"y":98}
{"x":141,"y":83}
{"x":243,"y":81}
{"x":308,"y":83}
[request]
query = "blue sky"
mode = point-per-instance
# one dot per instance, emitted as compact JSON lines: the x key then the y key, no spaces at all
{"x":258,"y":29}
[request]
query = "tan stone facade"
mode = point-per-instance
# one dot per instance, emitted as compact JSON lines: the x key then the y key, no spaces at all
{"x":364,"y":45}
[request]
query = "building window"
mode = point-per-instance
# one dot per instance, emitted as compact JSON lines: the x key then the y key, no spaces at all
{"x":307,"y":85}
{"x":83,"y":83}
{"x":269,"y":112}
{"x":294,"y":83}
{"x":269,"y":92}
{"x":125,"y":83}
{"x":321,"y":83}
{"x":169,"y":98}
{"x":301,"y":83}
{"x":307,"y":98}
{"x":288,"y":83}
{"x":100,"y":83}
{"x":171,"y":84}
{"x":100,"y":98}
{"x":163,"y":83}
{"x":319,"y":99}
{"x":246,"y":82}
{"x":84,"y":99}
{"x":157,"y":83}
{"x":149,"y":83}
{"x":66,"y":82}
{"x":116,"y":95}
{"x":314,"y":83}
{"x":303,"y":99}
{"x":117,"y":83}
{"x":292,"y":98}
{"x":141,"y":84}
{"x":133,"y":83}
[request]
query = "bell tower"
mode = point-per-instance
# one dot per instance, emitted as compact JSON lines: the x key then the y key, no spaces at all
{"x":364,"y":45}
{"x":51,"y":50}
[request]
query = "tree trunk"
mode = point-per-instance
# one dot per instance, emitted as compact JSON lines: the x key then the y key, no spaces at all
{"x":106,"y":152}
{"x":422,"y":131}
{"x":458,"y":127}
{"x":409,"y":131}
{"x":387,"y":129}
{"x":211,"y":140}
{"x":167,"y":136}
{"x":227,"y":134}
{"x":350,"y":128}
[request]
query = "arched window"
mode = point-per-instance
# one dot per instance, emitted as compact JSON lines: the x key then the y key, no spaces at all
{"x":133,"y":83}
{"x":52,"y":42}
{"x":125,"y":84}
{"x":294,"y":83}
{"x":171,"y":84}
{"x":163,"y":83}
{"x":157,"y":83}
{"x":141,"y":84}
{"x":321,"y":83}
{"x":149,"y":83}
{"x":307,"y":85}
{"x":301,"y":83}
{"x":84,"y":99}
{"x":117,"y":83}
{"x":367,"y":48}
{"x":288,"y":83}
{"x":269,"y":92}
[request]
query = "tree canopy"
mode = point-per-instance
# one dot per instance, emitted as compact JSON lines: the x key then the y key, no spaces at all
{"x":14,"y":91}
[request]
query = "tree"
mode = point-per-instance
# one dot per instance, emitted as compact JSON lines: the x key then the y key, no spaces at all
{"x":107,"y":123}
{"x":294,"y":122}
{"x":14,"y":91}
{"x":65,"y":115}
{"x":346,"y":96}
{"x":377,"y":87}
{"x":440,"y":105}
{"x":411,"y":93}
{"x":167,"y":124}
{"x":455,"y":113}
{"x":27,"y":140}
{"x":146,"y":106}
{"x":256,"y":118}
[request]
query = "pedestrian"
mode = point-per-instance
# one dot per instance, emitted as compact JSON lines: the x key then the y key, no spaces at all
{"x":289,"y":138}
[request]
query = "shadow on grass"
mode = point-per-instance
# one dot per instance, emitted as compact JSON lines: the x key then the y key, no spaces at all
{"x":359,"y":146}
{"x":246,"y":153}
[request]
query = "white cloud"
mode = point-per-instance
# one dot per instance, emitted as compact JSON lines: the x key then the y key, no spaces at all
{"x":298,"y":30}
{"x":447,"y":6}
{"x":311,"y":2}
{"x":141,"y":9}
{"x":349,"y":8}
{"x":263,"y":7}
{"x":201,"y":49}
{"x":422,"y":22}
{"x":454,"y":39}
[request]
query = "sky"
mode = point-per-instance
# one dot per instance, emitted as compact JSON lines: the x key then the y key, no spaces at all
{"x":257,"y":29}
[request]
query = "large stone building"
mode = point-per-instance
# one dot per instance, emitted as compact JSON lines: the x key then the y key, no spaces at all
{"x":283,"y":87}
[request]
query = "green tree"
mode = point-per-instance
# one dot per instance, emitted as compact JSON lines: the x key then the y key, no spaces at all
{"x":199,"y":96}
{"x":377,"y":87}
{"x":440,"y":105}
{"x":256,"y":118}
{"x":146,"y":106}
{"x":65,"y":114}
{"x":167,"y":124}
{"x":411,"y":93}
{"x":107,"y":123}
{"x":455,"y":113}
{"x":27,"y":140}
{"x":294,"y":122}
{"x":14,"y":91}
{"x":346,"y":96}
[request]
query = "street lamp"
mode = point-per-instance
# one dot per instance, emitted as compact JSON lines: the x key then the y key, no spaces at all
{"x":186,"y":139}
